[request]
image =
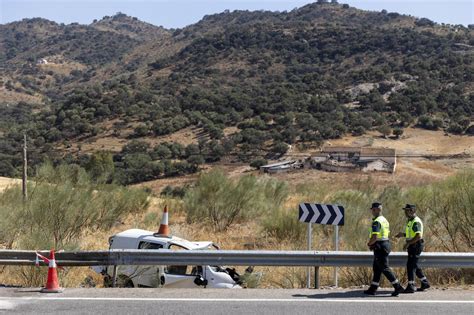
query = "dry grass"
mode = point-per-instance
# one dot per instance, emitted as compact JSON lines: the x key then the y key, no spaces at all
{"x":416,"y":141}
{"x":5,"y":182}
{"x":14,"y":97}
{"x":410,"y":172}
{"x":63,"y":68}
{"x":108,"y":142}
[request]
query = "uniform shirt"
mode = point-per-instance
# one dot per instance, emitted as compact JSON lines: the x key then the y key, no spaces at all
{"x":380,"y":227}
{"x":376,"y":227}
{"x":414,"y":226}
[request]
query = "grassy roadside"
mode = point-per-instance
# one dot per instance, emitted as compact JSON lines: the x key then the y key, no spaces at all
{"x":269,"y":221}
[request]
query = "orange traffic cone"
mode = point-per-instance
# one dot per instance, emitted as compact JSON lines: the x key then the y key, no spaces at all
{"x":52,"y":285}
{"x":164,"y":229}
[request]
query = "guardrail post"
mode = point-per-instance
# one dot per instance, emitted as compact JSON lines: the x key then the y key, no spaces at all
{"x":114,"y":276}
{"x":316,"y":277}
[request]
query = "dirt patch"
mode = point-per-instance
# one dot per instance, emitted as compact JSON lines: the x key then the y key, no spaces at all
{"x":62,"y":68}
{"x":6,"y":182}
{"x":186,"y":136}
{"x":16,"y":97}
{"x":112,"y":144}
{"x":416,"y":144}
{"x":414,"y":141}
{"x":230,"y":131}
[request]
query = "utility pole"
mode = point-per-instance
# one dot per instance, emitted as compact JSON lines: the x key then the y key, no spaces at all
{"x":25,"y":168}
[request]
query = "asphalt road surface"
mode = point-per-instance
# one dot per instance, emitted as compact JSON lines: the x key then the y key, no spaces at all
{"x":246,"y":301}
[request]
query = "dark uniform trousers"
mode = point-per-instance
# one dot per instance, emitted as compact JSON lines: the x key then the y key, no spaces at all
{"x":414,"y":252}
{"x":381,"y":251}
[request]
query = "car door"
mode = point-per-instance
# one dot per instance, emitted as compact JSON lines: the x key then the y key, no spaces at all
{"x":180,"y":276}
{"x":148,"y":276}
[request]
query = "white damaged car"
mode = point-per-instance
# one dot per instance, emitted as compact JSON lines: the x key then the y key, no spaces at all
{"x":166,"y":276}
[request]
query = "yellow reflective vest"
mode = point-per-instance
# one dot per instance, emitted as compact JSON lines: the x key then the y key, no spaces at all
{"x":410,"y":233}
{"x":384,"y":232}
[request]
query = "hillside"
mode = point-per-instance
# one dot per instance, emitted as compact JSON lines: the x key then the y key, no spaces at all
{"x":234,"y":87}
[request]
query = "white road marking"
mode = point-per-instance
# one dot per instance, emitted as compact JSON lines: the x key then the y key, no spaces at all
{"x":378,"y":300}
{"x":6,"y":305}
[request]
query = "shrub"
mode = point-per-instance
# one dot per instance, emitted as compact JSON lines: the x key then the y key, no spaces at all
{"x":160,"y":152}
{"x":176,"y":192}
{"x":280,"y":148}
{"x":101,"y":166}
{"x":398,"y":132}
{"x":455,"y":128}
{"x":385,"y":130}
{"x":283,"y":224}
{"x":258,"y":163}
{"x":63,"y":202}
{"x":222,"y":201}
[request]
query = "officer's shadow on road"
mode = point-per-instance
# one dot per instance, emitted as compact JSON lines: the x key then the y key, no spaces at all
{"x":342,"y":295}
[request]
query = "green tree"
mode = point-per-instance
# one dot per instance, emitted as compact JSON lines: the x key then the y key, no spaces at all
{"x":385,"y":130}
{"x":398,"y":132}
{"x":101,"y":166}
{"x":258,"y":163}
{"x":160,"y":152}
{"x":280,"y":148}
{"x":223,"y":202}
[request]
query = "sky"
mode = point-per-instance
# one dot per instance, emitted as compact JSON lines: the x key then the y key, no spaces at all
{"x":179,"y":13}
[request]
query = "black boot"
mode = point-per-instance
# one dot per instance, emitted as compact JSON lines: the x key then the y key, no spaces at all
{"x":371,"y":290}
{"x":410,"y":288}
{"x":424,"y":285}
{"x":398,"y":289}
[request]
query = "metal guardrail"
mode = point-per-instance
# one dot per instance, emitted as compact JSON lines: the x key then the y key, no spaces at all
{"x":234,"y":258}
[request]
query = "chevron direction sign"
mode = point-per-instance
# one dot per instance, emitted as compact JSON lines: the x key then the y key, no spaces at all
{"x":321,"y":214}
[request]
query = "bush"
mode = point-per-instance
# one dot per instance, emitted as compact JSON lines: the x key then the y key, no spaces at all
{"x":385,"y":130}
{"x":283,"y":224}
{"x":258,"y":163}
{"x":175,"y":192}
{"x":222,"y":202}
{"x":455,"y":128}
{"x":280,"y":148}
{"x":141,"y":131}
{"x":398,"y":132}
{"x":161,"y":152}
{"x":63,"y":202}
{"x":101,"y":166}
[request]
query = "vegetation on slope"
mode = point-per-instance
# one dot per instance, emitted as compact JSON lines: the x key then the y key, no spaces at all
{"x":283,"y":78}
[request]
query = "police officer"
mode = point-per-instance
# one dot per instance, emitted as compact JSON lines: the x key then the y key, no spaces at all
{"x":414,"y":246}
{"x":380,"y":244}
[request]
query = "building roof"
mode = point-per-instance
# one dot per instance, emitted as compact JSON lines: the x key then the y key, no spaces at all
{"x":366,"y":153}
{"x":384,"y":154}
{"x":279,"y":164}
{"x":340,"y":149}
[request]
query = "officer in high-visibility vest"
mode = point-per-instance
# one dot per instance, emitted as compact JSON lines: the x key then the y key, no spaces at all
{"x":380,"y":244}
{"x":414,"y":246}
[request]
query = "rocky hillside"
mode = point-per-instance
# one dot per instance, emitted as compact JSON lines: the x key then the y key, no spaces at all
{"x":242,"y":85}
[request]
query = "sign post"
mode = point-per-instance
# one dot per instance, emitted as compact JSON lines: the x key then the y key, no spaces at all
{"x":310,"y":235}
{"x":336,"y":248}
{"x":321,"y":214}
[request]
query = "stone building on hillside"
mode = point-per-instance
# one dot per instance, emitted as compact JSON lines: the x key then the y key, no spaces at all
{"x":347,"y":159}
